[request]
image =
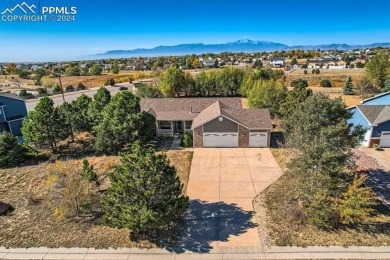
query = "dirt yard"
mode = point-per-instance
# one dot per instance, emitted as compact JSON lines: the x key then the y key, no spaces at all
{"x":374,"y":232}
{"x":32,"y":223}
{"x":337,"y":77}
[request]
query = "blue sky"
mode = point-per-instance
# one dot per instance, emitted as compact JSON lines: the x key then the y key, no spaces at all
{"x":103,"y":25}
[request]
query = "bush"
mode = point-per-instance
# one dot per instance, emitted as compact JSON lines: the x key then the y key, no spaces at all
{"x":355,"y":205}
{"x":80,"y":86}
{"x":326,"y":83}
{"x":42,"y":91}
{"x":56,"y":89}
{"x":305,"y":72}
{"x":69,"y":88}
{"x":11,"y":152}
{"x":24,"y":94}
{"x":186,"y":141}
{"x":110,"y":82}
{"x":299,"y":83}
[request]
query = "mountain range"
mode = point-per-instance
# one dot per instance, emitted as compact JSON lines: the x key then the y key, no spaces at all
{"x":245,"y":45}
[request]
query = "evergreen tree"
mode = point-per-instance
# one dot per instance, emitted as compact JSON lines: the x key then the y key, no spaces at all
{"x":120,"y":123}
{"x":145,"y":193}
{"x":11,"y":152}
{"x":96,"y":106}
{"x":348,"y":87}
{"x":88,"y":172}
{"x":79,"y":113}
{"x":45,"y":125}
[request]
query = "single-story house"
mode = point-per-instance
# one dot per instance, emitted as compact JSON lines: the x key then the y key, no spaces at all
{"x":12,"y":112}
{"x":374,"y":115}
{"x":209,"y":63}
{"x":214,"y":122}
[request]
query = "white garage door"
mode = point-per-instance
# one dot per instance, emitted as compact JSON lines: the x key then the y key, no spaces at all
{"x":385,"y":139}
{"x":220,"y":140}
{"x":258,"y":139}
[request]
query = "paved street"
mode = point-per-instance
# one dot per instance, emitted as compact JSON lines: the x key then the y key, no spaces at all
{"x":222,"y":185}
{"x":74,"y":95}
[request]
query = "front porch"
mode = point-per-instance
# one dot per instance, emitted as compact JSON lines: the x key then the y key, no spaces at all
{"x":171,"y":128}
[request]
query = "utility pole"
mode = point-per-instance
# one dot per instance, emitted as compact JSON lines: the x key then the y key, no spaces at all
{"x":67,"y":111}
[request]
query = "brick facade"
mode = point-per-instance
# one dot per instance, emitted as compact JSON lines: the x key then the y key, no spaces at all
{"x":243,"y":137}
{"x":374,"y":141}
{"x":198,"y":137}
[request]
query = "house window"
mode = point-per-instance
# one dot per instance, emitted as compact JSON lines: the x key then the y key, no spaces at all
{"x":165,"y":125}
{"x":188,"y":125}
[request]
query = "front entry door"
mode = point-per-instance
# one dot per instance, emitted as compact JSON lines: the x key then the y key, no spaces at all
{"x":179,"y":126}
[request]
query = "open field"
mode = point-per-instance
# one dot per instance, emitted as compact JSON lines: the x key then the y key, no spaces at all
{"x":32,"y":223}
{"x":337,"y":77}
{"x":374,"y":232}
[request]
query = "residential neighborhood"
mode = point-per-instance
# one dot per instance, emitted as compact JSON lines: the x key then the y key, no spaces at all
{"x":197,"y":130}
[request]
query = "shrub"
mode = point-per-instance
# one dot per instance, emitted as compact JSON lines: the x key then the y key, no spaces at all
{"x":57,"y":89}
{"x":42,"y":91}
{"x":326,"y":83}
{"x":69,"y":88}
{"x":24,"y":94}
{"x":355,"y":205}
{"x":186,"y":141}
{"x":11,"y":152}
{"x":305,"y":72}
{"x":299,"y":83}
{"x":80,"y":86}
{"x":110,"y":82}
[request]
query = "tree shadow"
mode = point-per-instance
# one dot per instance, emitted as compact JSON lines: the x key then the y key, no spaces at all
{"x":379,"y":181}
{"x":204,"y":223}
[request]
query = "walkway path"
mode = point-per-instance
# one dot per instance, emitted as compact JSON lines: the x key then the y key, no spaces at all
{"x":334,"y":252}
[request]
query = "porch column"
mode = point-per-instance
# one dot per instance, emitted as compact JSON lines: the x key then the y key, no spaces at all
{"x":172,"y":131}
{"x":184,"y":127}
{"x":157,"y":127}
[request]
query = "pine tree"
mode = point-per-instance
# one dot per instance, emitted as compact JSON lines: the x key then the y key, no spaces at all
{"x":120,"y":123}
{"x":145,"y":193}
{"x":348,"y":87}
{"x":88,"y":172}
{"x":11,"y":152}
{"x":45,"y":125}
{"x":95,"y":108}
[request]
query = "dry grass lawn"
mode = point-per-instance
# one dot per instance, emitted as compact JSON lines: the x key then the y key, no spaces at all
{"x":32,"y":223}
{"x":337,"y":77}
{"x":374,"y":232}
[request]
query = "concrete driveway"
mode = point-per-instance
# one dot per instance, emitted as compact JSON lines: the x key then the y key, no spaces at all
{"x":222,"y":185}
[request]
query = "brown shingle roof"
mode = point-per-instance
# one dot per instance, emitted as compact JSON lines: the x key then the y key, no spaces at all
{"x":375,"y":114}
{"x":168,"y":109}
{"x":250,"y":118}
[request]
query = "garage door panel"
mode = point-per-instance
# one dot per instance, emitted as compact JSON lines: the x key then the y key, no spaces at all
{"x":220,"y":140}
{"x":258,"y":139}
{"x":385,"y":139}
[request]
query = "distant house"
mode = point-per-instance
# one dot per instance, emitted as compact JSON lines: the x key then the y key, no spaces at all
{"x":374,"y":115}
{"x":12,"y":112}
{"x":214,"y":122}
{"x":209,"y":63}
{"x":277,"y":62}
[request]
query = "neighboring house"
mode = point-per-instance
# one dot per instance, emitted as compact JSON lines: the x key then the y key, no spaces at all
{"x":209,"y":63}
{"x":374,"y":115}
{"x":214,"y":122}
{"x":277,"y":62}
{"x":12,"y":112}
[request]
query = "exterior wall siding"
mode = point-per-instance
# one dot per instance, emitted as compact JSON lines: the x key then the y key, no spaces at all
{"x":198,"y":137}
{"x":381,"y":127}
{"x":216,"y":126}
{"x":359,"y":119}
{"x":243,"y":137}
{"x":13,"y":107}
{"x":15,"y":127}
{"x":383,"y":100}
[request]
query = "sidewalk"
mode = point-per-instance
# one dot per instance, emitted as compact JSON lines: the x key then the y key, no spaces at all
{"x":333,"y":252}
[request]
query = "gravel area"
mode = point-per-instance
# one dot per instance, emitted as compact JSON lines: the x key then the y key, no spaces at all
{"x":378,"y":178}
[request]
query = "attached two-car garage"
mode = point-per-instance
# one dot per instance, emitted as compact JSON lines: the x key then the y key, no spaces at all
{"x":385,"y":139}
